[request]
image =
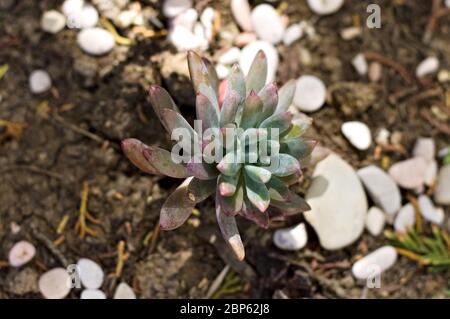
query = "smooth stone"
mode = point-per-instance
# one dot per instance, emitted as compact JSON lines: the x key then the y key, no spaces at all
{"x":351,"y":33}
{"x":222,"y":71}
{"x":405,"y":218}
{"x":91,"y":274}
{"x":375,"y":71}
{"x":292,"y":238}
{"x":92,"y":294}
{"x":186,"y":19}
{"x":338,"y":203}
{"x":230,"y":56}
{"x":375,"y":220}
{"x":124,"y":291}
{"x":410,"y":173}
{"x":172,"y":8}
{"x":425,"y":148}
{"x":428,"y":66}
{"x":382,"y":137}
{"x":382,"y":188}
{"x":242,"y":14}
{"x":358,"y":134}
{"x":375,"y":263}
{"x":39,"y":81}
{"x":431,"y":173}
{"x":53,"y":21}
{"x":443,"y":76}
{"x":21,"y":253}
{"x":248,"y":53}
{"x":70,"y":7}
{"x":207,"y":17}
{"x":360,"y":64}
{"x":447,"y":3}
{"x":310,"y":93}
{"x":126,"y":18}
{"x":88,"y":17}
{"x":54,"y":284}
{"x":292,"y":34}
{"x":429,"y":212}
{"x":442,"y":190}
{"x":183,"y":39}
{"x":95,"y":41}
{"x":325,"y":7}
{"x":267,"y":23}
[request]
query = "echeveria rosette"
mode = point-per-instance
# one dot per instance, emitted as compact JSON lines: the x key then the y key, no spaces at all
{"x":253,"y":190}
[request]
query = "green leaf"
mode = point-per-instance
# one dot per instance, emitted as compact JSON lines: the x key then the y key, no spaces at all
{"x":206,"y":112}
{"x":133,"y":149}
{"x":285,"y":96}
{"x":253,"y":107}
{"x":257,"y":193}
{"x":201,"y":170}
{"x":257,"y":75}
{"x":287,"y":165}
{"x":162,"y":161}
{"x":230,"y":232}
{"x":280,"y":121}
{"x":177,"y":208}
{"x":293,"y":204}
{"x":253,"y":214}
{"x":227,"y":185}
{"x":232,"y":205}
{"x":160,"y":100}
{"x":258,"y":173}
{"x":278,"y":190}
{"x":269,"y":98}
{"x":234,"y":96}
{"x":175,"y":120}
{"x":300,"y":147}
{"x":213,"y":78}
{"x":230,"y":164}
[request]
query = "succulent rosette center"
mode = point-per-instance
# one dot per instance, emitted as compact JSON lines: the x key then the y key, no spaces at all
{"x":246,"y":151}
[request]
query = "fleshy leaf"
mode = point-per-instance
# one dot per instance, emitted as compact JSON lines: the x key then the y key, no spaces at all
{"x":133,"y":149}
{"x":287,"y":165}
{"x":269,"y":98}
{"x":301,"y":148}
{"x":206,"y":112}
{"x":258,"y":173}
{"x":291,"y":179}
{"x":253,"y":107}
{"x":257,"y":75}
{"x":232,"y":205}
{"x":160,"y":100}
{"x":278,"y":190}
{"x":257,"y":193}
{"x":293,"y":204}
{"x":177,"y":208}
{"x":251,"y":213}
{"x":213,"y":78}
{"x":199,"y":190}
{"x":230,"y":164}
{"x":281,"y":121}
{"x":201,"y":170}
{"x":175,"y":120}
{"x":234,"y":96}
{"x":285,"y":96}
{"x":230,"y":232}
{"x":162,"y":161}
{"x":227,"y":185}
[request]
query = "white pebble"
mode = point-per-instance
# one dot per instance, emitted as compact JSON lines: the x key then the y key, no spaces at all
{"x":310,"y":93}
{"x":325,"y":7}
{"x":405,"y":218}
{"x":123,"y":291}
{"x":183,"y":39}
{"x":91,"y":274}
{"x":375,"y":263}
{"x":375,"y":71}
{"x":292,"y":238}
{"x":39,"y":81}
{"x":207,"y":17}
{"x":375,"y":220}
{"x":92,"y":294}
{"x":222,"y":71}
{"x":428,"y":66}
{"x":249,"y":52}
{"x":350,"y":33}
{"x":55,"y":283}
{"x":95,"y":41}
{"x":447,"y":3}
{"x":267,"y":23}
{"x":21,"y":253}
{"x":52,"y":21}
{"x":358,"y":134}
{"x":242,"y":14}
{"x":442,"y":190}
{"x":292,"y":34}
{"x":172,"y":8}
{"x":443,"y":76}
{"x":409,"y":174}
{"x":126,"y":18}
{"x":425,"y":148}
{"x":431,"y":173}
{"x":69,"y":7}
{"x":383,"y":137}
{"x":360,"y":64}
{"x":187,"y":19}
{"x":429,"y":212}
{"x":86,"y":17}
{"x":230,"y":56}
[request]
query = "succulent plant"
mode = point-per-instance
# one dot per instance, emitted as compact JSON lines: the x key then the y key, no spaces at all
{"x":252,"y":187}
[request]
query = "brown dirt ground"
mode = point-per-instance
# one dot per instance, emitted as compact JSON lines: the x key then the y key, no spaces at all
{"x":95,"y":102}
